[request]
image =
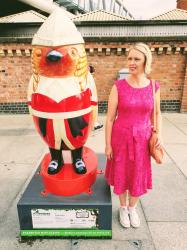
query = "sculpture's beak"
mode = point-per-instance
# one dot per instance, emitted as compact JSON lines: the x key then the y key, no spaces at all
{"x":54,"y":56}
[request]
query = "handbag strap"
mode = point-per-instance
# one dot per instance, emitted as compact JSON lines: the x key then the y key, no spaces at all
{"x":154,"y":106}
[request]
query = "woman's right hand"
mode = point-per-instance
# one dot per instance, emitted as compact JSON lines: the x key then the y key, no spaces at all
{"x":108,"y":152}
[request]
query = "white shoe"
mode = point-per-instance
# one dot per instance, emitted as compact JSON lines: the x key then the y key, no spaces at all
{"x":124,"y":216}
{"x":134,"y":217}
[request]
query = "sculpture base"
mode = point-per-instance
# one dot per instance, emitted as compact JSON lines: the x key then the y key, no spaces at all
{"x":67,"y":182}
{"x":53,"y":216}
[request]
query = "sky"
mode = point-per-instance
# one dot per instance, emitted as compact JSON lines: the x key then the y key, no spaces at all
{"x":144,"y":9}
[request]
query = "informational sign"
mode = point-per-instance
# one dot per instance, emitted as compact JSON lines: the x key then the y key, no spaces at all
{"x":65,"y":218}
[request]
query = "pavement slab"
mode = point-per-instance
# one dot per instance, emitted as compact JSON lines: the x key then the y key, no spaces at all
{"x":25,"y":149}
{"x":169,"y":235}
{"x":16,"y":121}
{"x":178,"y":154}
{"x":6,"y":143}
{"x":168,"y":200}
{"x":13,"y":178}
{"x":172,"y":134}
{"x":178,"y":120}
{"x":112,"y":245}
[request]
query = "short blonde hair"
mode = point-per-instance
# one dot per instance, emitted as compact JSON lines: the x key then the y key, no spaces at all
{"x":142,"y":47}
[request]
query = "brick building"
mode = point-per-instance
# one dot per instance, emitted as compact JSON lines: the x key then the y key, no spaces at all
{"x":108,"y":37}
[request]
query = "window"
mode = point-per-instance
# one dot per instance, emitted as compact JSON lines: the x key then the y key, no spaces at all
{"x":122,"y":73}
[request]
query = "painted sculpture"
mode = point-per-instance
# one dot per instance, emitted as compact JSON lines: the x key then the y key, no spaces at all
{"x":62,"y":93}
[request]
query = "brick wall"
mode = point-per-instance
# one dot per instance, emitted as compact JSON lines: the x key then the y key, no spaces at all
{"x":169,"y":67}
{"x":15,"y":72}
{"x":184,"y":94}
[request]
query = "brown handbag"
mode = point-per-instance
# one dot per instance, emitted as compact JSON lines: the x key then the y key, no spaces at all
{"x":156,"y":153}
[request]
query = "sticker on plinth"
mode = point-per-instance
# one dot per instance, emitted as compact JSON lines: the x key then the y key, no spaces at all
{"x":62,"y":218}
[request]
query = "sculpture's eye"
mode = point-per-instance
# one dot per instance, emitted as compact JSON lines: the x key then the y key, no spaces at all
{"x":54,"y":56}
{"x":38,"y":52}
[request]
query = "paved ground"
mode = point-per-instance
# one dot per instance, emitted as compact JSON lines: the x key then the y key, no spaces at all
{"x":163,"y":211}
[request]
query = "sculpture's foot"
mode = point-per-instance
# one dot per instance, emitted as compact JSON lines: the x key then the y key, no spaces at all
{"x":98,"y":126}
{"x":54,"y":167}
{"x":67,"y":182}
{"x":79,"y":166}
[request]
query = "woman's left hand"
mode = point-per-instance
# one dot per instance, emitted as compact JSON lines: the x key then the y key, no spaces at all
{"x":159,"y":142}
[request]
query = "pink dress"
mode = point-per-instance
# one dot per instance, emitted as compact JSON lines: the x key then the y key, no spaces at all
{"x":130,"y":168}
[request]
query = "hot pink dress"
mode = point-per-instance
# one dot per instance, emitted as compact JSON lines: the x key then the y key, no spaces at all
{"x":130,"y":168}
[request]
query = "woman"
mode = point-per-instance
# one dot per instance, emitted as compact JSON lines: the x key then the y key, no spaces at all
{"x":128,"y":129}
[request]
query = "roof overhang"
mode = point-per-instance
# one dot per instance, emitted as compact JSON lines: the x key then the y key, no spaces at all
{"x":118,"y":31}
{"x":130,"y":22}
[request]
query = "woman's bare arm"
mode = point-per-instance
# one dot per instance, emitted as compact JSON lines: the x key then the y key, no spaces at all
{"x":111,"y":115}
